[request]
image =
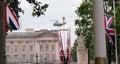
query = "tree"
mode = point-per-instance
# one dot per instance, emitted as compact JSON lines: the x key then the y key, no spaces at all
{"x":38,"y":10}
{"x":2,"y":35}
{"x":117,"y":26}
{"x":85,"y":27}
{"x":85,"y":24}
{"x":74,"y":52}
{"x":109,"y":11}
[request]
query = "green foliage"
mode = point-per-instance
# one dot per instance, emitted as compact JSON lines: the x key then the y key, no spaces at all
{"x":84,"y":21}
{"x":117,"y":26}
{"x":85,"y":24}
{"x":84,"y":10}
{"x":74,"y":52}
{"x":38,"y":8}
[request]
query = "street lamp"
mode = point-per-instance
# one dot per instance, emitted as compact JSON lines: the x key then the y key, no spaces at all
{"x":36,"y":58}
{"x":45,"y":60}
{"x":27,"y":61}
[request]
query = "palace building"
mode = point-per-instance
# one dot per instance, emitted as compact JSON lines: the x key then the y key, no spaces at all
{"x":32,"y":47}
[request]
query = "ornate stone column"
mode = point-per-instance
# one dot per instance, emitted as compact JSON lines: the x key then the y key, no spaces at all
{"x":82,"y":53}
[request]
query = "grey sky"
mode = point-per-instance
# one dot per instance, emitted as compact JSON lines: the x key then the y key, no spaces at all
{"x":56,"y":10}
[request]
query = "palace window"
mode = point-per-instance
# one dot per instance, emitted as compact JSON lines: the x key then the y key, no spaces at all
{"x":8,"y":58}
{"x":31,"y":48}
{"x":19,"y":42}
{"x":43,"y":41}
{"x":11,"y":42}
{"x":16,"y":58}
{"x":24,"y":58}
{"x":41,"y":57}
{"x":23,"y":48}
{"x":53,"y":57}
{"x":7,"y":48}
{"x":49,"y":41}
{"x":31,"y":57}
{"x":47,"y":48}
{"x":53,"y":47}
{"x":41,"y":47}
{"x":47,"y":57}
{"x":15,"y":48}
{"x":55,"y":41}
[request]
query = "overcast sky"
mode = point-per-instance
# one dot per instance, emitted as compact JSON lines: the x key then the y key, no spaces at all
{"x":56,"y":10}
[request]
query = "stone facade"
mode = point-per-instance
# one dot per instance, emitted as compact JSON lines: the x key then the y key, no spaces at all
{"x":82,"y":53}
{"x":32,"y":47}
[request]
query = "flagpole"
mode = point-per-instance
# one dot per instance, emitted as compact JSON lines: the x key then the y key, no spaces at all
{"x":115,"y":32}
{"x":99,"y":32}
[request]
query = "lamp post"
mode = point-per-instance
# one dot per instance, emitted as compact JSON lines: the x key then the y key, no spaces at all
{"x":27,"y":61}
{"x":36,"y":58}
{"x":45,"y":60}
{"x":27,"y":58}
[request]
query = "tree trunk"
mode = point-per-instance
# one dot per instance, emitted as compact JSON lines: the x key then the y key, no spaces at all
{"x":88,"y":55}
{"x":109,"y":53}
{"x":2,"y":34}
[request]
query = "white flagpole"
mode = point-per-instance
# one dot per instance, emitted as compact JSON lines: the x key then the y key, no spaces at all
{"x":99,"y":32}
{"x":115,"y":32}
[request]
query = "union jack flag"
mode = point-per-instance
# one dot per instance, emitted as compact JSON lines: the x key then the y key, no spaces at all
{"x":62,"y":55}
{"x":5,"y":21}
{"x":109,"y":29}
{"x":68,"y":46}
{"x":60,"y":47}
{"x":10,"y":18}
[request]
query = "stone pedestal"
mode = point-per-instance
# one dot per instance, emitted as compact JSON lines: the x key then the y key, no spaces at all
{"x":82,"y":52}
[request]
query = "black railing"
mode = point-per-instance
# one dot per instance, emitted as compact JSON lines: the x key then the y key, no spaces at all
{"x":28,"y":63}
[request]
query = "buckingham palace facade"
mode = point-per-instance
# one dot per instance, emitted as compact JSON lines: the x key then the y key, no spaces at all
{"x":32,"y":47}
